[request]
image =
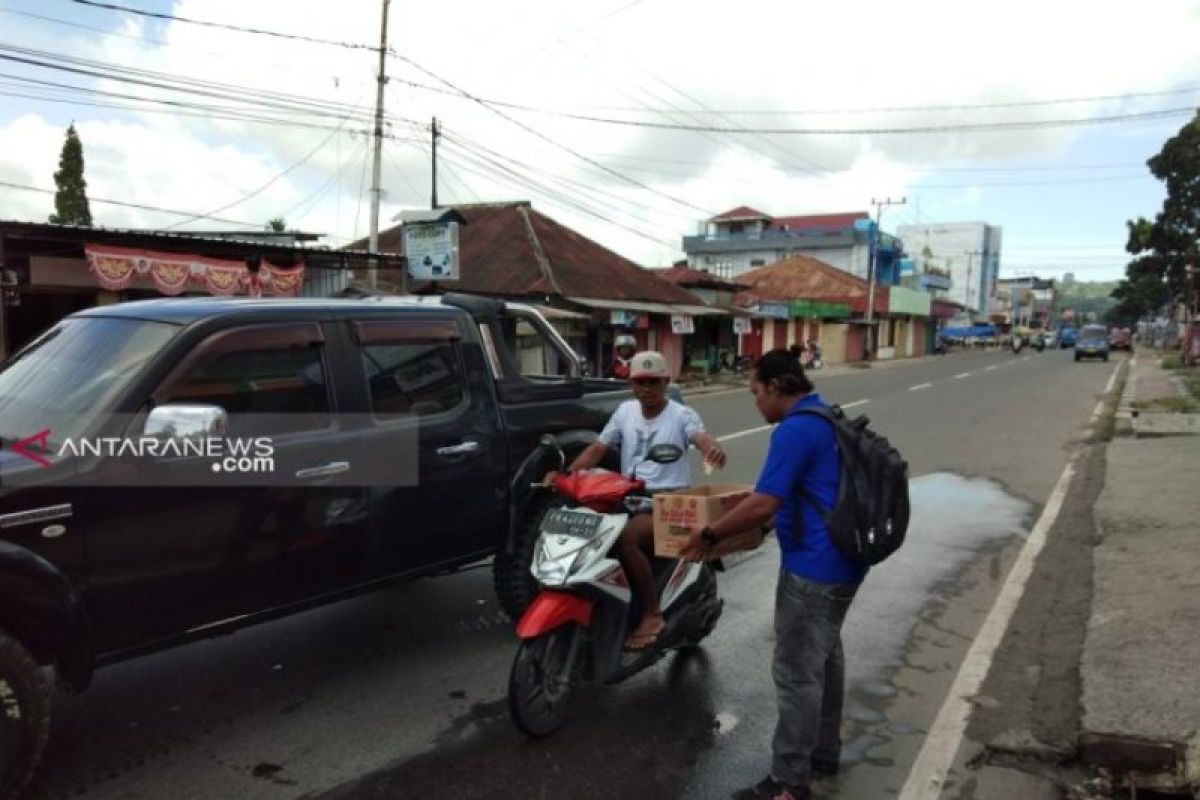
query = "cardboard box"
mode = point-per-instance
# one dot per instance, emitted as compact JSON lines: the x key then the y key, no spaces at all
{"x":677,"y":513}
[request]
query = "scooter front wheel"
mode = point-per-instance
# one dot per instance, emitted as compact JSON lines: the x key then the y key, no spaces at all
{"x":542,"y":681}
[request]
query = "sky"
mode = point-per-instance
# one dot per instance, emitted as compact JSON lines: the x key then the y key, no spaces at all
{"x":570,"y":106}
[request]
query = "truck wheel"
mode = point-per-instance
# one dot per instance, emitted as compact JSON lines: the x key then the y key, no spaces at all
{"x":24,"y":715}
{"x":515,"y":585}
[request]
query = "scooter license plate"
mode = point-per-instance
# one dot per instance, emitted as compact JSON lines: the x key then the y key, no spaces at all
{"x":564,"y":522}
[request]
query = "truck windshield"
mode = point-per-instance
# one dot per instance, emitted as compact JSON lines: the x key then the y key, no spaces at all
{"x":67,"y":376}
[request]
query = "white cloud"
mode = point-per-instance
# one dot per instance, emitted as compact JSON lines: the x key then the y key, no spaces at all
{"x":666,"y":55}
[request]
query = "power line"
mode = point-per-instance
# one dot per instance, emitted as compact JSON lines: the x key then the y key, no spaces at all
{"x":577,"y":188}
{"x":171,"y":82}
{"x":931,"y":107}
{"x":138,"y":206}
{"x":1003,"y":184}
{"x":809,"y":112}
{"x":886,"y":131}
{"x":311,"y":200}
{"x":570,"y":201}
{"x":225,"y":26}
{"x":963,"y":127}
{"x":290,"y":69}
{"x":548,"y":140}
{"x":256,"y":192}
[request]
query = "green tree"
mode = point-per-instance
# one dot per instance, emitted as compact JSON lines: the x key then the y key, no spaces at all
{"x":1164,"y":245}
{"x":70,"y":199}
{"x":277,"y":225}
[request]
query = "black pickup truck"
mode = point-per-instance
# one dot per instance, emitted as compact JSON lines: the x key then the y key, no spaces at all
{"x":109,"y":553}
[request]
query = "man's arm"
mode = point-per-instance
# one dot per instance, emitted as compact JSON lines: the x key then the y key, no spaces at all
{"x":755,"y":511}
{"x":710,"y":448}
{"x":693,"y":429}
{"x":592,"y":455}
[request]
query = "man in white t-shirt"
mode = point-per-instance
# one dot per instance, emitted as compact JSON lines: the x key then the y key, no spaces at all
{"x":636,"y":426}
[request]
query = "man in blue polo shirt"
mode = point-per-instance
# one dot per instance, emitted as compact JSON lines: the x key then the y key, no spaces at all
{"x":816,"y":582}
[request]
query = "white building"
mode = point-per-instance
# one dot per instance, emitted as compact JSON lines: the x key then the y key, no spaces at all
{"x":744,"y":239}
{"x":969,"y":250}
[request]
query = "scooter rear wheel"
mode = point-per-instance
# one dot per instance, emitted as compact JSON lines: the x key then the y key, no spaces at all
{"x":540,"y":686}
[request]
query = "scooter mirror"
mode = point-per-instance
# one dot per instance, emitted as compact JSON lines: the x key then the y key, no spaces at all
{"x":664,"y":454}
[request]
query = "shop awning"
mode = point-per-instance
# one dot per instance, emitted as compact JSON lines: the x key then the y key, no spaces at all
{"x":701,"y":311}
{"x":644,"y":307}
{"x":116,"y":268}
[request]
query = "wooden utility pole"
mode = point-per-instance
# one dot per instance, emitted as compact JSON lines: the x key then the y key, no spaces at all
{"x":376,"y":190}
{"x":433,"y":203}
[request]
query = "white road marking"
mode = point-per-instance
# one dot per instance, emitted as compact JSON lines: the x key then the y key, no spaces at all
{"x":927,"y":777}
{"x":747,"y":432}
{"x":993,"y":366}
{"x":963,"y":375}
{"x":919,"y":386}
{"x":706,"y":395}
{"x":761,"y":428}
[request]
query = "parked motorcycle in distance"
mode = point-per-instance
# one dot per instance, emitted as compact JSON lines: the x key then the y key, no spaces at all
{"x":575,"y":629}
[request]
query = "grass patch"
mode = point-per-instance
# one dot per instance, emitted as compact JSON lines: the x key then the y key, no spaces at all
{"x":1178,"y":405}
{"x":1171,"y":361}
{"x":1191,"y":382}
{"x":1106,"y":426}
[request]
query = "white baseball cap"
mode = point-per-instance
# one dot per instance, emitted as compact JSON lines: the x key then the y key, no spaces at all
{"x":625,"y":340}
{"x":649,"y":364}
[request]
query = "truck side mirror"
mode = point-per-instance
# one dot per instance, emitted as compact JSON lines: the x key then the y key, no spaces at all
{"x":186,"y":422}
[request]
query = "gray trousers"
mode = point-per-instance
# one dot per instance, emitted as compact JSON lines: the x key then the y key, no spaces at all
{"x":809,"y":674}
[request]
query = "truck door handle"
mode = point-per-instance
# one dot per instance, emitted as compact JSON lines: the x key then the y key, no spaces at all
{"x":466,"y":448}
{"x":325,"y":470}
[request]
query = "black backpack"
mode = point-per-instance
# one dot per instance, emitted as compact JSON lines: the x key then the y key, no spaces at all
{"x":869,"y":520}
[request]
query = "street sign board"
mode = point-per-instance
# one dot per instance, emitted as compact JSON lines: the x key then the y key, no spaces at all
{"x":431,"y":249}
{"x":825,"y":309}
{"x":681,"y":324}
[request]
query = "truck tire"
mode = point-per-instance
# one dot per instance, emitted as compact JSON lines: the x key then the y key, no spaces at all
{"x":515,"y":585}
{"x":24,"y":715}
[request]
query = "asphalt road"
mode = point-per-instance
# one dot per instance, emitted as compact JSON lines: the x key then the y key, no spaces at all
{"x":401,"y":693}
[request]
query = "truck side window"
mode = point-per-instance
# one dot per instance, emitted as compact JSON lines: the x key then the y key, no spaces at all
{"x":289,"y":384}
{"x":533,"y":353}
{"x":413,"y":377}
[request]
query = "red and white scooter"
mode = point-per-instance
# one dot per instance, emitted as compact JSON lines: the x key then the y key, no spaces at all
{"x":575,"y":629}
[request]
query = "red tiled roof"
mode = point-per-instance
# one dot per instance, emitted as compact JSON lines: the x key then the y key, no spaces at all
{"x":510,"y":249}
{"x":803,"y":276}
{"x":817,"y":221}
{"x":741,"y":212}
{"x":810,"y":278}
{"x":699,"y":278}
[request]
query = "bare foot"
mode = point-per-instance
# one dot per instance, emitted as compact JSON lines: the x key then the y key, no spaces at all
{"x":646,"y":633}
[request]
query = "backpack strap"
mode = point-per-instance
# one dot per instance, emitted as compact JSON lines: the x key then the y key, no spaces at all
{"x":826,"y":413}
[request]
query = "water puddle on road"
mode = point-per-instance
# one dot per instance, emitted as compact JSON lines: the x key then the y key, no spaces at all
{"x":700,"y":725}
{"x":916,"y":617}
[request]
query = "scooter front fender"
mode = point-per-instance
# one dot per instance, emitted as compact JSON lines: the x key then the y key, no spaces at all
{"x":550,"y":610}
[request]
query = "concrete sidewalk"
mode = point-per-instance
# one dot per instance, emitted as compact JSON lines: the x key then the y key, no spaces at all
{"x":1140,"y":670}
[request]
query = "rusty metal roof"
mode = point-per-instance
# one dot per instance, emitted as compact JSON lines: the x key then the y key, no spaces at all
{"x":510,"y":249}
